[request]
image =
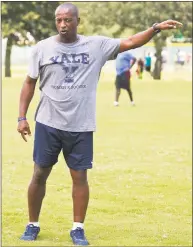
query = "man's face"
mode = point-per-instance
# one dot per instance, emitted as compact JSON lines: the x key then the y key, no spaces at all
{"x":66,"y":22}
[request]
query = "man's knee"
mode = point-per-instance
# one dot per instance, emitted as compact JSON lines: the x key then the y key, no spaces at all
{"x":40,"y":174}
{"x":79,"y":177}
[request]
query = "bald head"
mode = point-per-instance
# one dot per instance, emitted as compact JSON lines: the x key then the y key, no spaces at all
{"x":67,"y":20}
{"x":67,"y":7}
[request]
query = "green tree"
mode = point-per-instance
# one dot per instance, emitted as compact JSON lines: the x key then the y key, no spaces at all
{"x":105,"y":18}
{"x":139,"y":16}
{"x":21,"y":18}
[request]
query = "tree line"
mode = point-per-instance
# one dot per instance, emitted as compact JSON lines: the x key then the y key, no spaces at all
{"x":103,"y":18}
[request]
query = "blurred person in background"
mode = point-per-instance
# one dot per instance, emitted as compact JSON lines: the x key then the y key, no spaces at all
{"x":181,"y":57}
{"x":124,"y":63}
{"x":140,"y":68}
{"x":148,"y":62}
{"x":188,"y":57}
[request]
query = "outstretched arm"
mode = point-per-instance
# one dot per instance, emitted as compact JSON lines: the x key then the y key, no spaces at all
{"x":142,"y":38}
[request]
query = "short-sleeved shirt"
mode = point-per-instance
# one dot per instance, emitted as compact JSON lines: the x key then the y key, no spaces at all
{"x":123,"y":62}
{"x":148,"y":61}
{"x":69,"y":75}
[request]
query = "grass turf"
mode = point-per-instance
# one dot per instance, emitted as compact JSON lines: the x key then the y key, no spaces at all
{"x":140,"y":186}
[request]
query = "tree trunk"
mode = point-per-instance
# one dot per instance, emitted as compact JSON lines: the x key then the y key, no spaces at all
{"x":159,"y":41}
{"x":8,"y":56}
{"x":157,"y":68}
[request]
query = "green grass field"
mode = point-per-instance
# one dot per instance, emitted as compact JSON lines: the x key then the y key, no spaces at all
{"x":141,"y":181}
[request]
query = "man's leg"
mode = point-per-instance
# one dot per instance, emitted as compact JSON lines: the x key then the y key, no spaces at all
{"x":117,"y":95}
{"x":36,"y":191}
{"x":117,"y":90}
{"x":47,"y":147}
{"x":130,"y":93}
{"x":79,"y":160}
{"x":80,"y":194}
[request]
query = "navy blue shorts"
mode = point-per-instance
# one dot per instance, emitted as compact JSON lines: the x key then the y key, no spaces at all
{"x":123,"y":80}
{"x":77,"y":147}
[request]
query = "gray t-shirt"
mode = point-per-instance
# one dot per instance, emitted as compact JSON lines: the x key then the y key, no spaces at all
{"x":69,"y":75}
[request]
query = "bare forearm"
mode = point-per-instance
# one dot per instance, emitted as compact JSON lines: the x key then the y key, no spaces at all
{"x":141,"y":38}
{"x":26,"y":96}
{"x":137,"y":40}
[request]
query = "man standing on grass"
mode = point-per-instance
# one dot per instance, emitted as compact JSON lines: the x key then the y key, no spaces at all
{"x":148,"y":63}
{"x":69,"y":66}
{"x":124,"y":63}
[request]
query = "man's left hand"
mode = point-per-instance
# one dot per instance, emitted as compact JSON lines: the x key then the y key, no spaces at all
{"x":169,"y":24}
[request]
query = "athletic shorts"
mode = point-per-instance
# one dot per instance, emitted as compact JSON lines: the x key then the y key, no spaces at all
{"x":148,"y":68}
{"x":77,"y":147}
{"x":123,"y":80}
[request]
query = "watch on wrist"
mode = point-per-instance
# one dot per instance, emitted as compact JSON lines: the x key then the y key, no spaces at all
{"x":155,"y":28}
{"x":21,"y":119}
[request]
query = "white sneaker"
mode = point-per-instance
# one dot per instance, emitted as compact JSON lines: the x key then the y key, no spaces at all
{"x":116,"y":103}
{"x":132,"y":103}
